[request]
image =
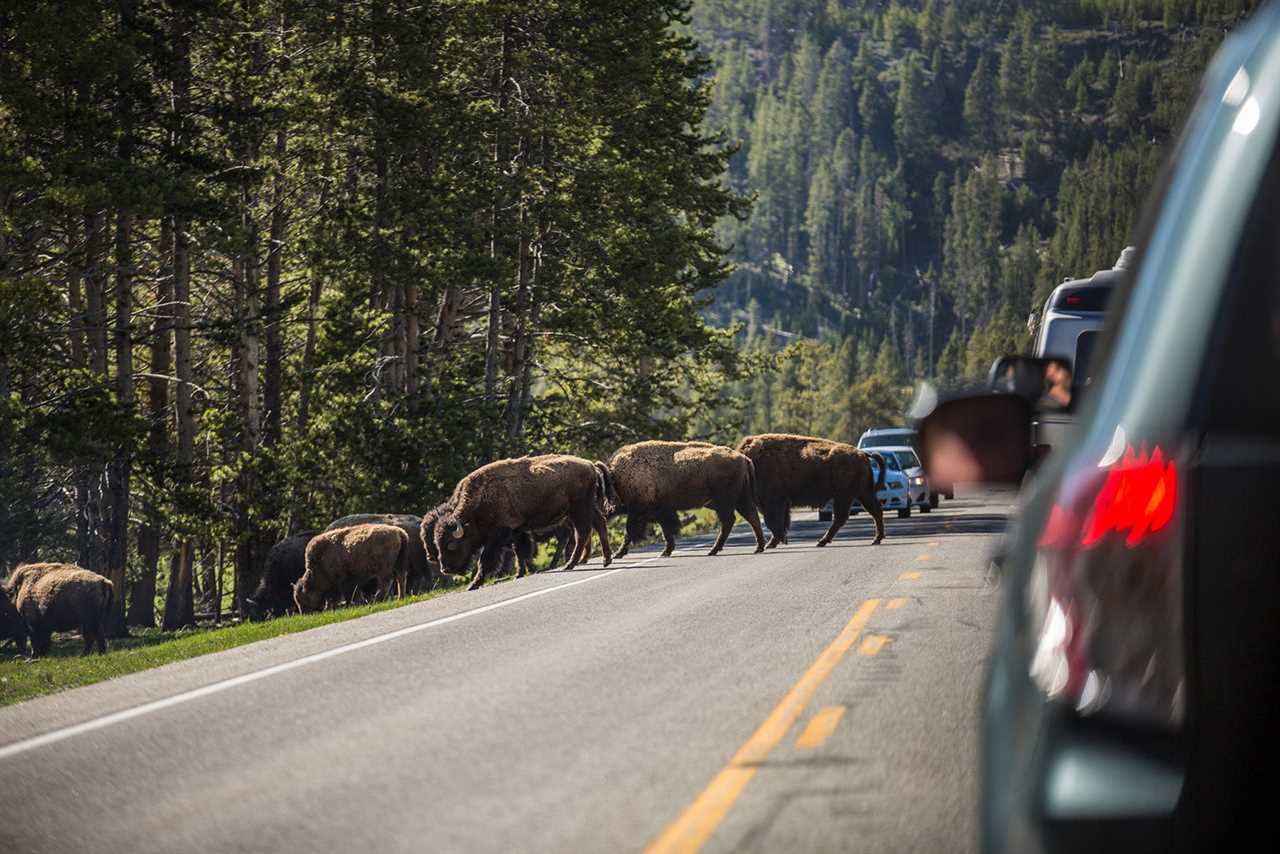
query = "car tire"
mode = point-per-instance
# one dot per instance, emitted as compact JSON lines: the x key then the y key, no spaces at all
{"x":950,"y":494}
{"x":824,"y":515}
{"x":925,"y":507}
{"x":933,"y":499}
{"x":904,"y":513}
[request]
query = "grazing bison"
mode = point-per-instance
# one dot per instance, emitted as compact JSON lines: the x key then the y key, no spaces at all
{"x":12,"y":626}
{"x":424,"y":570}
{"x":498,"y":504}
{"x":61,"y":597}
{"x":344,"y":559}
{"x":519,"y":553}
{"x":286,"y":562}
{"x":655,"y":480}
{"x":801,"y":471}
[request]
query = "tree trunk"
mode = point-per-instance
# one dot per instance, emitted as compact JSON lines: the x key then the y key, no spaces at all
{"x":179,"y":605}
{"x":142,"y":598}
{"x":273,"y":372}
{"x":121,"y":467}
{"x":499,"y":249}
{"x":248,"y":353}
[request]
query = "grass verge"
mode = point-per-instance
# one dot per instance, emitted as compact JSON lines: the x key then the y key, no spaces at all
{"x":23,"y":679}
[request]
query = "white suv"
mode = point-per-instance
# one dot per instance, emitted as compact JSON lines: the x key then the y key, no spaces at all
{"x":918,"y":494}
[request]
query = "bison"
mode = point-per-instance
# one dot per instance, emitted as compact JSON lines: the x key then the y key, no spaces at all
{"x":498,"y":504}
{"x":519,"y":553}
{"x":286,"y":562}
{"x":654,"y":480}
{"x":348,"y":557}
{"x":61,"y":597}
{"x":12,"y":626}
{"x":424,"y":570}
{"x":807,"y":472}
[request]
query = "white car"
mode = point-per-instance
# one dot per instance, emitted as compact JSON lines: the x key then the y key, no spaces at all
{"x":894,"y":496}
{"x":917,"y":484}
{"x":893,"y":438}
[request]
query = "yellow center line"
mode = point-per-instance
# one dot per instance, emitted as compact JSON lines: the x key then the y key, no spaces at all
{"x":924,"y":557}
{"x":895,"y":604}
{"x":909,"y":576}
{"x":872,"y":644}
{"x":820,"y":727}
{"x":695,"y":825}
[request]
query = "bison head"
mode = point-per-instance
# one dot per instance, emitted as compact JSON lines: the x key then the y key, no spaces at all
{"x":456,"y":544}
{"x":306,"y":598}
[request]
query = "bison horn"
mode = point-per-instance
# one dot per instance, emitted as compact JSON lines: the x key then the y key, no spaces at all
{"x":458,"y":531}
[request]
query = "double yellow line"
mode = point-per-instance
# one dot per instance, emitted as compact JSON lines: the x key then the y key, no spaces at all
{"x":695,"y":825}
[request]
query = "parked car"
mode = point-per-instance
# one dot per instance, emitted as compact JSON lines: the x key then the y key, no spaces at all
{"x":894,"y":496}
{"x":918,"y":494}
{"x":880,"y":438}
{"x":1131,"y":696}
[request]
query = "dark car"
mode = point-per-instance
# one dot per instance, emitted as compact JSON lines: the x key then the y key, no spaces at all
{"x":1131,"y":703}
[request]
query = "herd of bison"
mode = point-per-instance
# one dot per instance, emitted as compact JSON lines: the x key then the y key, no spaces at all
{"x":494,"y":518}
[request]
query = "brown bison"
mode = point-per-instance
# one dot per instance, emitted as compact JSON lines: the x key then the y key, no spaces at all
{"x":424,"y":570}
{"x":61,"y":597}
{"x":801,"y":471}
{"x":347,"y":558}
{"x":497,"y":504}
{"x":519,"y":554}
{"x":286,"y":562}
{"x":655,"y":480}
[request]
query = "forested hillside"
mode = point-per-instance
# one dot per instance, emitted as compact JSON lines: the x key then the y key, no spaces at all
{"x":925,"y":171}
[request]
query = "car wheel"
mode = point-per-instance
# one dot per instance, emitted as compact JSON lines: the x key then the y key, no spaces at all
{"x":824,"y":515}
{"x":925,"y":507}
{"x":950,"y":494}
{"x":904,"y":513}
{"x":933,"y":499}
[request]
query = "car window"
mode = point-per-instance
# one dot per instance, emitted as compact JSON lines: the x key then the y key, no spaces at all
{"x":907,"y":459}
{"x":1083,"y":363}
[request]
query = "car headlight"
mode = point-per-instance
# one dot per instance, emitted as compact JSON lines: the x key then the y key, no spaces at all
{"x":918,"y":480}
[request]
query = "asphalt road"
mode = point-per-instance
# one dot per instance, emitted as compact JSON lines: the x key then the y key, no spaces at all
{"x":803,"y":700}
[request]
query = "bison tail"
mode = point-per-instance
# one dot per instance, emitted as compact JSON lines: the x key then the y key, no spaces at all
{"x":751,"y":483}
{"x":606,"y":492}
{"x":880,"y":478}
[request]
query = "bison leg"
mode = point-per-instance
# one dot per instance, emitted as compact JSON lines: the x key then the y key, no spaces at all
{"x":523,"y":547}
{"x":839,"y":515}
{"x":602,"y":531}
{"x":580,"y":518}
{"x":41,"y":639}
{"x":669,"y":521}
{"x":786,"y":523}
{"x":490,"y":559}
{"x":775,"y":516}
{"x":747,"y":509}
{"x":872,"y":505}
{"x":725,"y":515}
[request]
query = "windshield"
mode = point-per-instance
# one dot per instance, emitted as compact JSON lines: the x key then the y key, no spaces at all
{"x":907,"y":459}
{"x":883,"y":439}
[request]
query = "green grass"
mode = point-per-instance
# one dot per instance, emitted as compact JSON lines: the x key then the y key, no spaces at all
{"x":22,"y":679}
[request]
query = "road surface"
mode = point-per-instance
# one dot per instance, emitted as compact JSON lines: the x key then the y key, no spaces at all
{"x":803,"y":700}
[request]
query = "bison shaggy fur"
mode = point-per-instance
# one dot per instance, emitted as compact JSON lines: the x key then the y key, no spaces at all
{"x":498,"y":504}
{"x":802,"y":471}
{"x":348,"y":557}
{"x":12,"y":626}
{"x":424,"y":570}
{"x":61,"y":597}
{"x":654,"y":480}
{"x":286,"y":562}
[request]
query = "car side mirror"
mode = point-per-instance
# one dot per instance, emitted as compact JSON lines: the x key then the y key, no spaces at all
{"x":979,"y":439}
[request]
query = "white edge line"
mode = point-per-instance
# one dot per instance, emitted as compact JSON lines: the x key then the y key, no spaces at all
{"x":93,"y":724}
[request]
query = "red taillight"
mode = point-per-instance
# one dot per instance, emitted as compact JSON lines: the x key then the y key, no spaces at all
{"x":1072,"y":299}
{"x":1138,"y":496}
{"x":1105,"y":591}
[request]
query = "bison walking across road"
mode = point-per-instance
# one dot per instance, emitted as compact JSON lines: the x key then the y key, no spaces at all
{"x":347,"y":558}
{"x":498,"y":504}
{"x":654,"y":480}
{"x":801,"y":471}
{"x":61,"y":597}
